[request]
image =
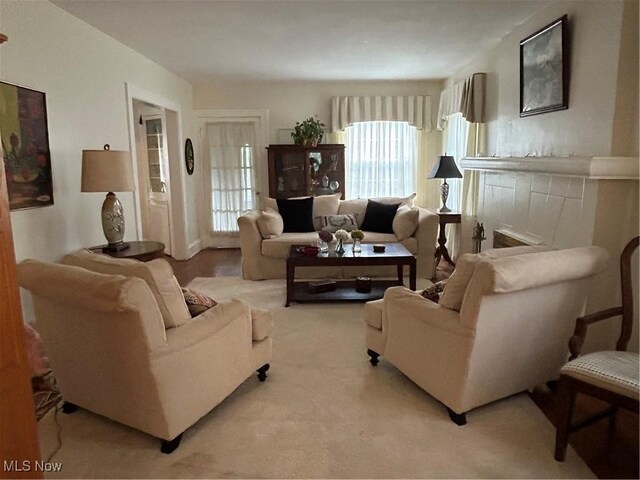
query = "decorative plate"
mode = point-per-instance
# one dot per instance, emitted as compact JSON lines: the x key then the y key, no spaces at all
{"x":188,"y":156}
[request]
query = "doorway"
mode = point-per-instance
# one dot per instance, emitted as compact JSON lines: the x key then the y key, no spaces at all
{"x":152,"y":164}
{"x":175,"y":183}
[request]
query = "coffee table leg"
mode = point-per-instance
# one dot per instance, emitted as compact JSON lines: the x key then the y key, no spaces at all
{"x":412,"y":275}
{"x":400,"y":274}
{"x":290,"y":270}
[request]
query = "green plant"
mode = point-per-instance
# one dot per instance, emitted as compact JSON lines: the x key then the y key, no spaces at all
{"x":308,"y":132}
{"x":357,"y":234}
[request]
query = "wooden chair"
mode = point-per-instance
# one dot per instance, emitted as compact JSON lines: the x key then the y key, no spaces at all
{"x":611,"y":376}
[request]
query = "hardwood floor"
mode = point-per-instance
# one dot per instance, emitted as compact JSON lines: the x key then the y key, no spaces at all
{"x":608,"y":453}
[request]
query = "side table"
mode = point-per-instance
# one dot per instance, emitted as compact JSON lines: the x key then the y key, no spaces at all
{"x":143,"y":251}
{"x":445,"y":218}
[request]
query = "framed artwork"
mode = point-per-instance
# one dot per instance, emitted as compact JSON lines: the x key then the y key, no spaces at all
{"x":544,"y":70}
{"x":188,"y":156}
{"x":25,"y":147}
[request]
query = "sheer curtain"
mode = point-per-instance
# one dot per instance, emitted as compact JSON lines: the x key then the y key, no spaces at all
{"x":381,"y":159}
{"x":457,"y":137}
{"x":232,"y":175}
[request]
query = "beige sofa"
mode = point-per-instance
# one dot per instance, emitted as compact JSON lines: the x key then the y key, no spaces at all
{"x":501,"y":325}
{"x":122,"y":342}
{"x":264,"y":252}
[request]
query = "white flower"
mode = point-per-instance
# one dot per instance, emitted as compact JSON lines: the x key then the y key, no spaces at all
{"x":341,"y":235}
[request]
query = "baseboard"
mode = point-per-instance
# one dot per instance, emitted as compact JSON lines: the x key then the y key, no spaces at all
{"x":194,"y":248}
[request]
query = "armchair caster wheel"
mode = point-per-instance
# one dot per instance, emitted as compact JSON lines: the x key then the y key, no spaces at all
{"x":374,"y":357}
{"x":262,"y":372}
{"x":68,"y":407}
{"x":168,"y":446}
{"x":457,"y":418}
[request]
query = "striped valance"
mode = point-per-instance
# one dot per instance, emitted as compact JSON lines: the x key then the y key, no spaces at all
{"x":413,"y":109}
{"x":466,"y":97}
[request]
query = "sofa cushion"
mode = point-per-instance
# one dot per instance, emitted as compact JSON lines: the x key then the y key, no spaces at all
{"x":405,"y":223}
{"x":453,"y":293}
{"x":358,"y":206}
{"x":261,"y":324}
{"x":297,"y":214}
{"x":279,"y":247}
{"x":270,"y":223}
{"x":322,"y":205}
{"x":197,"y":302}
{"x":333,"y":223}
{"x":156,"y":273}
{"x":379,"y":217}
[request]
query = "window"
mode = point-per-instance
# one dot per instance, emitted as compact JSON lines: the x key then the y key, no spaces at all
{"x":456,"y":140}
{"x":232,"y":173}
{"x":381,"y":159}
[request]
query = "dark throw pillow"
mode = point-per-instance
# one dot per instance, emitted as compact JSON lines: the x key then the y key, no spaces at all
{"x":296,"y":213}
{"x":197,"y":302}
{"x":434,"y":291}
{"x":379,"y":217}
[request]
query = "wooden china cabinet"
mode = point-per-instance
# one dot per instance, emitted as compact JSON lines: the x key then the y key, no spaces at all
{"x":296,"y":171}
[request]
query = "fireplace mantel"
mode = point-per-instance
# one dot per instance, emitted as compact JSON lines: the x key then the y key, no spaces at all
{"x":596,"y":168}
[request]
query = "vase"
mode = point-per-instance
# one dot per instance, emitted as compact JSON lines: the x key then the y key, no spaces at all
{"x":339,"y":248}
{"x":323,"y":246}
{"x":357,"y":248}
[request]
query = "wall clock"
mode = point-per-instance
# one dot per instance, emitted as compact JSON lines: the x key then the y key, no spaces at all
{"x":188,"y":156}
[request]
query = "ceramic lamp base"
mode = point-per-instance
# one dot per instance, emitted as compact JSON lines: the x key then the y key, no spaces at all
{"x":113,"y":220}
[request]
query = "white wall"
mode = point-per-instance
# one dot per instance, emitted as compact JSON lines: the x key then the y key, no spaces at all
{"x":290,"y":102}
{"x":602,"y":120}
{"x":586,"y":127}
{"x":83,"y":73}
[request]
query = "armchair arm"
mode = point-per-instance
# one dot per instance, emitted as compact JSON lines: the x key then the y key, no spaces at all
{"x":401,"y":302}
{"x":426,"y":234}
{"x":580,"y":332}
{"x":205,"y":326}
{"x":250,"y":244}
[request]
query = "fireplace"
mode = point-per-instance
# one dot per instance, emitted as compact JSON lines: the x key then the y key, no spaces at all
{"x":562,"y":202}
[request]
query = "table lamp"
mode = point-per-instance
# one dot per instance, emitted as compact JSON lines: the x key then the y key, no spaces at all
{"x":445,"y":167}
{"x":109,"y":171}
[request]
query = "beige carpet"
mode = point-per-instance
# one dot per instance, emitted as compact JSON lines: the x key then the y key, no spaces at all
{"x":324,"y":412}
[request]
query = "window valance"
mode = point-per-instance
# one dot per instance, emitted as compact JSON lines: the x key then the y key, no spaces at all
{"x":466,"y":97}
{"x":413,"y":109}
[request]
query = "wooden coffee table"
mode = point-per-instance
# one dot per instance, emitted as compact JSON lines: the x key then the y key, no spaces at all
{"x":394,"y":254}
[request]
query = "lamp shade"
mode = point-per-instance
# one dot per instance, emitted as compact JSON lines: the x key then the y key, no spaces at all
{"x":445,"y":167}
{"x":106,"y":171}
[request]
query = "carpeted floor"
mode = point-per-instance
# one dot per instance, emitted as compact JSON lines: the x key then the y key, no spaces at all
{"x":324,"y":412}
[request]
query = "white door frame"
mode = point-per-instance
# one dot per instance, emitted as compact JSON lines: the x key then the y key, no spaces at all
{"x":177,"y":213}
{"x":260,"y":117}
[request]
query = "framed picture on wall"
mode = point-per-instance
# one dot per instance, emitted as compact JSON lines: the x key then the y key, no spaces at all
{"x":25,"y":147}
{"x":544,"y":69}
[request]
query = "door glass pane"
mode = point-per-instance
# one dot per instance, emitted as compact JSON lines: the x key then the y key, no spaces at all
{"x":155,"y":155}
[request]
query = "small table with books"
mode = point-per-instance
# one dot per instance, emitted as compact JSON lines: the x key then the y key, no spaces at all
{"x":394,"y":254}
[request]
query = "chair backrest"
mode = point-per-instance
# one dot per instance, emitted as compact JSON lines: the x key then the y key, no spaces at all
{"x":626,"y":279}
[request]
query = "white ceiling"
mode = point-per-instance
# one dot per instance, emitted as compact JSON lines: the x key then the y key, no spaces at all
{"x":207,"y":41}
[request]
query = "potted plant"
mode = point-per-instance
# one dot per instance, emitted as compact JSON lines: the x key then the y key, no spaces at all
{"x":308,"y":132}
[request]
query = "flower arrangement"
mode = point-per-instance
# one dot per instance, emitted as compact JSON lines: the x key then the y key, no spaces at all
{"x":357,"y":234}
{"x":341,"y":235}
{"x":325,"y":236}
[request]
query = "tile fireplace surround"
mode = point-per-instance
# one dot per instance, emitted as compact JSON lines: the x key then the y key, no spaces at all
{"x":564,"y":202}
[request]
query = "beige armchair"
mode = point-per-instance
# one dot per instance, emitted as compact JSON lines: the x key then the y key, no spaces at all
{"x":111,"y":352}
{"x":501,"y":325}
